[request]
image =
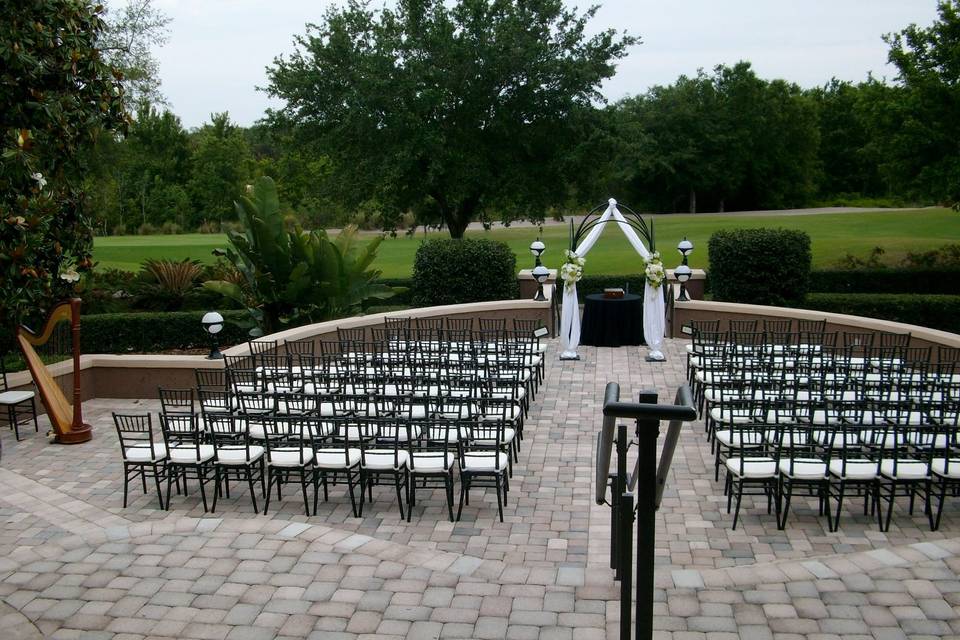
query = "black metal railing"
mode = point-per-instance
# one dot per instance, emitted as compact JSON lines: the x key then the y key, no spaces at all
{"x":647,"y":481}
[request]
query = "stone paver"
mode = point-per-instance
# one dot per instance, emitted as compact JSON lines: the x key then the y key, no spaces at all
{"x":73,"y":563}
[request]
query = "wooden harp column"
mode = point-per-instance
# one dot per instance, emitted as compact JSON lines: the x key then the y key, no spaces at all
{"x":66,"y":417}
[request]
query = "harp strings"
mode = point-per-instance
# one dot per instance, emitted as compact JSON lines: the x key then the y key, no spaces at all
{"x":57,"y":348}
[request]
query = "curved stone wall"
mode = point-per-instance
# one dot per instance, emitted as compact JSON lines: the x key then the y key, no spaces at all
{"x":139,"y":376}
{"x":684,"y":312}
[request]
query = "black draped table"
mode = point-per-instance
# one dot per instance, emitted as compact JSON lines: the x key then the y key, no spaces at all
{"x":612,"y":322}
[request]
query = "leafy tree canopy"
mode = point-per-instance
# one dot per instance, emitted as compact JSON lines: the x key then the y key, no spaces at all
{"x":928,"y":61}
{"x":454,"y":109}
{"x":132,"y":30}
{"x":56,"y":95}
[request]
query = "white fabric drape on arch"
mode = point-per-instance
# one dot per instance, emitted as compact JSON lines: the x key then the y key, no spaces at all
{"x":654,"y":308}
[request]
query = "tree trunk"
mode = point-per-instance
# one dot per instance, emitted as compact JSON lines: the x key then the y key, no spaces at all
{"x":458,"y":218}
{"x":721,"y":205}
{"x":693,"y":201}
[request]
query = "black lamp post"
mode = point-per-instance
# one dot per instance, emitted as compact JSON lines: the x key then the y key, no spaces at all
{"x":213,"y":324}
{"x":540,"y":274}
{"x":537,"y":248}
{"x":683,"y":272}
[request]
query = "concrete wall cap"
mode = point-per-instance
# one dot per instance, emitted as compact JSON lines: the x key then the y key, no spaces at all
{"x":923,"y":333}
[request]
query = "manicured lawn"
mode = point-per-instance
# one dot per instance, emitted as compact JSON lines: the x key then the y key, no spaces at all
{"x":833,"y":235}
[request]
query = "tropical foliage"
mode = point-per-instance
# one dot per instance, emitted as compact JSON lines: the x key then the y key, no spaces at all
{"x":292,"y":277}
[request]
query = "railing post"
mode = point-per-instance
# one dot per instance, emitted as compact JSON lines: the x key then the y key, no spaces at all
{"x":626,"y":577}
{"x":619,"y":543}
{"x":646,"y":482}
{"x":614,"y":526}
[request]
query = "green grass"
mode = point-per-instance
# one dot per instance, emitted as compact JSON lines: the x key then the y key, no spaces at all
{"x":833,"y":235}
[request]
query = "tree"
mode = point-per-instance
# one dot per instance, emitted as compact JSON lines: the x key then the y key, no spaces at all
{"x":157,"y":163}
{"x":461,"y":107}
{"x":130,"y":34}
{"x":222,"y":164}
{"x":56,"y":96}
{"x":730,"y":138}
{"x":928,"y":61}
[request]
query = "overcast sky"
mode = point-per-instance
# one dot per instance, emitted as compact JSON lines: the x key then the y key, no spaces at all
{"x":218,"y":49}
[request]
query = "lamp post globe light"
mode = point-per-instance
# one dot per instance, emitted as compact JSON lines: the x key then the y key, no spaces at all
{"x":212,"y":323}
{"x":682,"y":274}
{"x":540,"y":274}
{"x":537,"y":248}
{"x":685,"y":248}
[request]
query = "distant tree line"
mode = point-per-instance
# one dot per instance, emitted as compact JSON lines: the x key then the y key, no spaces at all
{"x":460,"y":113}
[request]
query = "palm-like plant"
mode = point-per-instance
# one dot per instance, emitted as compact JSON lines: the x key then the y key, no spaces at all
{"x":165,"y":283}
{"x":295,"y":277}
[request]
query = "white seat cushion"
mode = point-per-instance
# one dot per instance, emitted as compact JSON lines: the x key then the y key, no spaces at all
{"x":836,"y":438}
{"x":508,"y":436}
{"x":508,"y":393}
{"x":803,"y":469}
{"x":385,"y":459}
{"x":928,"y":438}
{"x":15,"y":397}
{"x":856,"y":469}
{"x":512,"y":413}
{"x":188,"y":453}
{"x":290,"y":457}
{"x":737,"y":417}
{"x":485,"y":462}
{"x":787,"y":437}
{"x":739,"y":438}
{"x":335,"y":458}
{"x":142,"y":453}
{"x":436,"y":463}
{"x":906,"y":469}
{"x":239,"y":456}
{"x":939,"y":467}
{"x":720,"y":394}
{"x":752,"y":467}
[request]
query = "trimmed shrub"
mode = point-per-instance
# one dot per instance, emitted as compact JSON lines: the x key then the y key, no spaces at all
{"x":448,"y":271}
{"x":759,"y":266}
{"x":932,"y":311}
{"x":937,"y":281}
{"x":153,"y":332}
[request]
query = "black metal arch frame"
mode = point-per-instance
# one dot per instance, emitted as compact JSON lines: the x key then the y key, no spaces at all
{"x":592,"y":219}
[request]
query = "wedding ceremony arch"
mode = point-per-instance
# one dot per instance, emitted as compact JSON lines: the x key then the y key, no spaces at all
{"x":581,"y":242}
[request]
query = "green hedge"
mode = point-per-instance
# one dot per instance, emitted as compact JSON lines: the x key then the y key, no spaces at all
{"x":447,"y":271}
{"x":759,"y":266}
{"x":932,"y":311}
{"x":153,"y":332}
{"x":936,"y":281}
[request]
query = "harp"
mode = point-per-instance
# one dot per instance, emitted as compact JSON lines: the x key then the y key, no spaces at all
{"x":59,"y":336}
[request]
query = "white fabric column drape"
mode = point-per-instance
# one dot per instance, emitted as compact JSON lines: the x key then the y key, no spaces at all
{"x":654,"y":309}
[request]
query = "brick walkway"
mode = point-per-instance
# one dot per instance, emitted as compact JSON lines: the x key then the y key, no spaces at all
{"x":74,"y":564}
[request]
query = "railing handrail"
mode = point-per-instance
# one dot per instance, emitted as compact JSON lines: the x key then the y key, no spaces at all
{"x":683,"y":410}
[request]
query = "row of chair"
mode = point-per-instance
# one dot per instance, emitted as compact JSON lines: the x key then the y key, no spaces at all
{"x":352,"y":413}
{"x":874,"y":416}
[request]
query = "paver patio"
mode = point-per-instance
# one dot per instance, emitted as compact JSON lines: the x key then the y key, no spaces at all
{"x":76,"y":565}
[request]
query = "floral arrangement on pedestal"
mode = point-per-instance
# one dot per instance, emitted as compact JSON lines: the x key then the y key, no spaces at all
{"x":572,"y":270}
{"x":654,"y":271}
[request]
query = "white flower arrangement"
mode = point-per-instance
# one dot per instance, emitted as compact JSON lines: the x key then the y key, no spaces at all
{"x":70,"y":275}
{"x":654,"y":271}
{"x":572,"y":270}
